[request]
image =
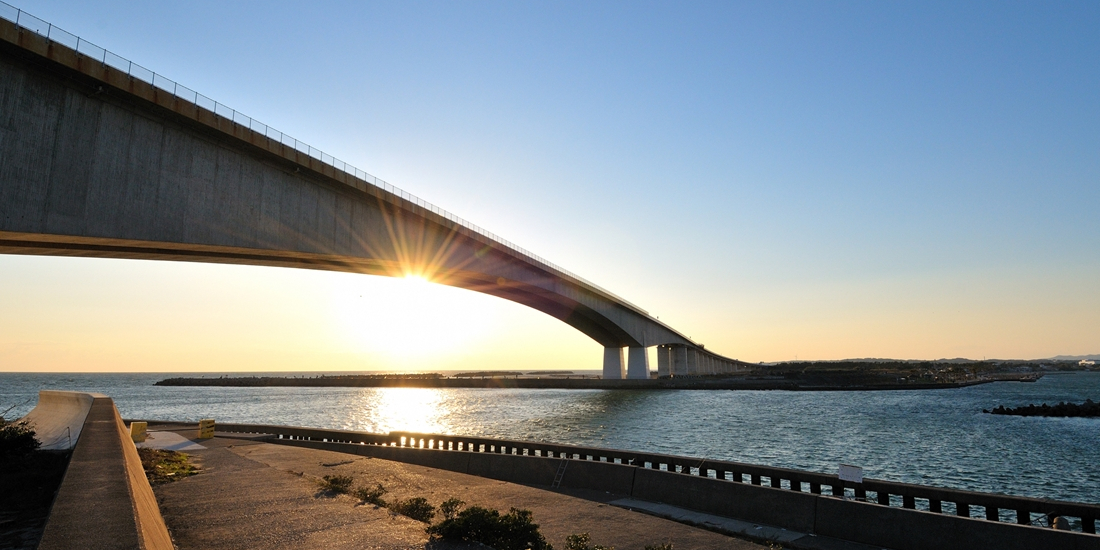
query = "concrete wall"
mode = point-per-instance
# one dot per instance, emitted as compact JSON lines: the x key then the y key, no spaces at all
{"x":105,"y":501}
{"x":876,"y":525}
{"x":902,"y":529}
{"x":777,"y":507}
{"x":58,"y":418}
{"x":526,"y":470}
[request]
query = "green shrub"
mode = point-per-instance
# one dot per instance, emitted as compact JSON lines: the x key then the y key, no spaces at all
{"x":371,"y":495}
{"x":451,"y":507}
{"x":665,"y":546}
{"x":416,"y":508}
{"x":580,"y":542}
{"x":16,"y":440}
{"x":336,"y":484}
{"x":511,"y":531}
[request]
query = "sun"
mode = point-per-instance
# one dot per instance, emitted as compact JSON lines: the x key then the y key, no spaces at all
{"x":408,"y":320}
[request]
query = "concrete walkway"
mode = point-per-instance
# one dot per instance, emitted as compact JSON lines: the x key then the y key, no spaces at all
{"x":259,"y":495}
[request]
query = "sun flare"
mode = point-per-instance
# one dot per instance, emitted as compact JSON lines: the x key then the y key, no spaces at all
{"x":408,"y":320}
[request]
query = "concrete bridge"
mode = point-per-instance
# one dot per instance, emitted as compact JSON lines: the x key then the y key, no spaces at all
{"x":101,"y":157}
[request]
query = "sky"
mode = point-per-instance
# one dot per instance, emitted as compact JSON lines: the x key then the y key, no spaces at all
{"x":779,"y":181}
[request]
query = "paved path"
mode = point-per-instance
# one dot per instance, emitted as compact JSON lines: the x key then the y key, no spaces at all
{"x":259,"y":495}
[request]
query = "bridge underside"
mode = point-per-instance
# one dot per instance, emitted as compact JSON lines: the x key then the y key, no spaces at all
{"x":96,"y":163}
{"x":575,"y":314}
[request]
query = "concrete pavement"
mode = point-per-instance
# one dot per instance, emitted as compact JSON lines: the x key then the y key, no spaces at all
{"x":259,"y":495}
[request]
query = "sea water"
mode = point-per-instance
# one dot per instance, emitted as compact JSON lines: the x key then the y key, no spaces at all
{"x":932,"y":437}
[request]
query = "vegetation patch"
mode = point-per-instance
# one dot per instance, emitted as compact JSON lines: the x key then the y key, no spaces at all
{"x":163,"y":466}
{"x":371,"y":495}
{"x":336,"y":484}
{"x":512,"y":531}
{"x":515,"y":530}
{"x":451,"y":507}
{"x":16,"y":440}
{"x":416,"y":508}
{"x":583,"y":542}
{"x":29,"y":479}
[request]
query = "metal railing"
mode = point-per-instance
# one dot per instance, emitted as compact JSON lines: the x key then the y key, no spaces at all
{"x":108,"y":58}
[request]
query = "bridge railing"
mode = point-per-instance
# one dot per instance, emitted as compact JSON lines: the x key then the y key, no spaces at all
{"x":134,"y":70}
{"x":940,"y":500}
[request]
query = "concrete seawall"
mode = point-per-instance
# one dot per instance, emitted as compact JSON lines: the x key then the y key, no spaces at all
{"x":526,"y":470}
{"x":105,"y":501}
{"x":778,"y":507}
{"x":684,"y":482}
{"x":59,"y":417}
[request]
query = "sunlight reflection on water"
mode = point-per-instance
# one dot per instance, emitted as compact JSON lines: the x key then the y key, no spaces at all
{"x":384,"y":410}
{"x":936,"y":437}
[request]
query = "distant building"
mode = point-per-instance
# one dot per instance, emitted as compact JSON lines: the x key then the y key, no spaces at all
{"x":1086,"y":363}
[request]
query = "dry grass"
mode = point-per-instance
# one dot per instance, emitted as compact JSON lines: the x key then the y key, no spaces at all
{"x":166,"y":466}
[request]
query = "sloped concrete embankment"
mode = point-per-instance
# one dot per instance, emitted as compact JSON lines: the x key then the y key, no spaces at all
{"x":104,"y":501}
{"x":59,"y":417}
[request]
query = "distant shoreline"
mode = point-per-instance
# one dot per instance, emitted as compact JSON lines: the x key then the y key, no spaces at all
{"x":678,"y":383}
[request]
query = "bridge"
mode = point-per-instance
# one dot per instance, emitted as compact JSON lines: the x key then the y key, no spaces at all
{"x":101,"y":157}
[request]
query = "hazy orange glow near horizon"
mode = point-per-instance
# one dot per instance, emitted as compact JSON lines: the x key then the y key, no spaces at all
{"x":94,"y":315}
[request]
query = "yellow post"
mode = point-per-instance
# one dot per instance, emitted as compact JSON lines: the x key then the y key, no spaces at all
{"x":138,"y":431}
{"x":206,"y":428}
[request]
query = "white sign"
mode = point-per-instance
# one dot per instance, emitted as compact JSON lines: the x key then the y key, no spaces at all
{"x":850,"y":473}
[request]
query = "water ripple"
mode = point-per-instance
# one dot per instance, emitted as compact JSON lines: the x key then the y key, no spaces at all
{"x":931,"y":437}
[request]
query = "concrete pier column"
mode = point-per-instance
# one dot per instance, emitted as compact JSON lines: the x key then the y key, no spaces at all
{"x":613,"y":364}
{"x":664,"y":361}
{"x":679,"y":356}
{"x":692,"y":362}
{"x":637,"y":365}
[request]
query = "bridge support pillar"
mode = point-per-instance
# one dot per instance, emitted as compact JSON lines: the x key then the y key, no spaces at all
{"x":693,"y":362}
{"x":613,"y":364}
{"x":679,"y":357}
{"x":664,"y":361}
{"x":637,"y":364}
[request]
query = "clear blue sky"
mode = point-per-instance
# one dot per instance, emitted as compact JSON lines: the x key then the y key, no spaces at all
{"x":811,"y":179}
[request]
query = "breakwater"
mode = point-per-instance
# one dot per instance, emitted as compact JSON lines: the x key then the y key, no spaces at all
{"x":579,"y":383}
{"x":1088,"y":409}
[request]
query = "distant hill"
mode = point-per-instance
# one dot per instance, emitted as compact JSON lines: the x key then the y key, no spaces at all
{"x":956,"y":360}
{"x":876,"y":360}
